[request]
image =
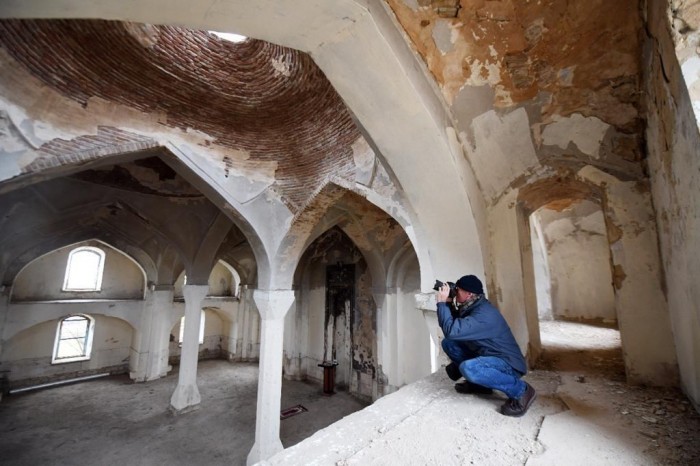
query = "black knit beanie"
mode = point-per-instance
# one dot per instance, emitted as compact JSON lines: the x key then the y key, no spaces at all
{"x":470,"y":283}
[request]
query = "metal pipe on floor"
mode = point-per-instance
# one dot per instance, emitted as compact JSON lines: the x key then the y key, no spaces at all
{"x":58,"y":382}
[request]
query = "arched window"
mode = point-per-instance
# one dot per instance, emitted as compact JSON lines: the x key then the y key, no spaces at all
{"x":73,"y":339}
{"x":201,"y":328}
{"x":84,"y":269}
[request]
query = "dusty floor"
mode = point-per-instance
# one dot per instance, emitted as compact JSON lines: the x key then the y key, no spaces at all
{"x":585,"y":414}
{"x":589,"y":367}
{"x":114,"y":421}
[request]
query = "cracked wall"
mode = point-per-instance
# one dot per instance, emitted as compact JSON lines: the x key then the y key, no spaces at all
{"x":578,"y":258}
{"x":344,"y":329}
{"x":555,"y":79}
{"x":673,"y":141}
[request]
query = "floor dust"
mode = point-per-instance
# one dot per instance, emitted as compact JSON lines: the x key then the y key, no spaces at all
{"x":589,"y":365}
{"x":114,"y":421}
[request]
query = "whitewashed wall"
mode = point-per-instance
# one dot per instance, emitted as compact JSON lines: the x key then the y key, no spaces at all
{"x":543,"y":284}
{"x":578,"y":254}
{"x":29,"y":329}
{"x":413,"y":336}
{"x":27,"y":356}
{"x":42,"y":279}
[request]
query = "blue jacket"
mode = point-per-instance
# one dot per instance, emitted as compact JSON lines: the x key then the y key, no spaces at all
{"x":484,"y":330}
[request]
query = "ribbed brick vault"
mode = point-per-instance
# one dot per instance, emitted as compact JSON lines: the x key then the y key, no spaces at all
{"x":270,"y":101}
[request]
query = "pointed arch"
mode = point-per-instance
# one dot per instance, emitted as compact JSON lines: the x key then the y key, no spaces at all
{"x":532,"y":197}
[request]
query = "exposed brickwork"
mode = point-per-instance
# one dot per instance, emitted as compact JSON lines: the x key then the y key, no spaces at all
{"x":107,"y":141}
{"x":269,"y":100}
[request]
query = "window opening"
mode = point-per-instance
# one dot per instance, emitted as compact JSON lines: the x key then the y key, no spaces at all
{"x":73,"y":339}
{"x":84,"y":269}
{"x":201,"y":328}
{"x":229,"y":36}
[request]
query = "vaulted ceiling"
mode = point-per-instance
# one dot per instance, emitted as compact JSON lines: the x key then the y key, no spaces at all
{"x":270,"y":102}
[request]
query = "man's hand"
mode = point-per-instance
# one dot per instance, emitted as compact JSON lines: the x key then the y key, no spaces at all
{"x":443,"y":294}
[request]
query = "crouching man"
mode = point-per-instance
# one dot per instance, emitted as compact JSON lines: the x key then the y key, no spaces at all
{"x":481,"y":346}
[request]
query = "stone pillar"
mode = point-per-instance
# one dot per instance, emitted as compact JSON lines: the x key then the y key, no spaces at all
{"x":151,"y":358}
{"x":186,"y":394}
{"x":425,"y":303}
{"x":273,"y":306}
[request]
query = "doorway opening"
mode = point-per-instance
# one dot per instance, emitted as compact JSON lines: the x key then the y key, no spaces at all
{"x":574,"y":287}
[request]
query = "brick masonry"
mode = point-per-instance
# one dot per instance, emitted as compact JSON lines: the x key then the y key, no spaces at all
{"x":270,"y":101}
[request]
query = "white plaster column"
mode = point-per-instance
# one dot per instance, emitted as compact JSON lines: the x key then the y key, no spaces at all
{"x":385,"y":343}
{"x":151,"y":359}
{"x":186,"y":394}
{"x":293,"y":341}
{"x":426,"y":304}
{"x":244,"y":335}
{"x":273,"y":306}
{"x":233,"y":329}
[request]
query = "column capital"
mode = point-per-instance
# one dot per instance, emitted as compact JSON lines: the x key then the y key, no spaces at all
{"x":194,"y":293}
{"x":426,"y":301}
{"x":273,"y":304}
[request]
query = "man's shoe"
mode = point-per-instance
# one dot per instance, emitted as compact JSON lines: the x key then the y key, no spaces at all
{"x":516,"y":407}
{"x":453,"y":371}
{"x":470,"y":387}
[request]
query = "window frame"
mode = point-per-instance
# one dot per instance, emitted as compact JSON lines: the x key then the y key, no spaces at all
{"x":99,"y":272}
{"x":87,"y":341}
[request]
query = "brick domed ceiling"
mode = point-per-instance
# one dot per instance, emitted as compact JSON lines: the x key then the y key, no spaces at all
{"x":270,"y":101}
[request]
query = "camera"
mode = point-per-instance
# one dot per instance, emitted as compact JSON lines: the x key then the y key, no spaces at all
{"x":453,"y":292}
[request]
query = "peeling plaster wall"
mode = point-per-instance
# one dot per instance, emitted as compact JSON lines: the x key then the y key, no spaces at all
{"x":42,"y":279}
{"x":496,"y":164}
{"x":674,"y":165}
{"x":522,"y":48}
{"x":27,"y":356}
{"x":546,"y":90}
{"x":310,"y":333}
{"x":573,"y":70}
{"x":578,"y":255}
{"x":506,"y":287}
{"x":642,"y":312}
